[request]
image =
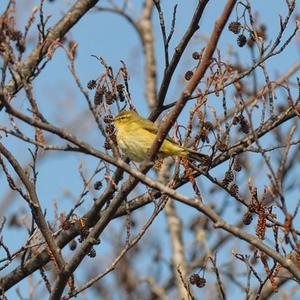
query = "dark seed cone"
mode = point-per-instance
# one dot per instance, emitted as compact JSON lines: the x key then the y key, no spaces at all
{"x":235,"y":27}
{"x":241,"y":40}
{"x":229,"y":176}
{"x":188,"y":75}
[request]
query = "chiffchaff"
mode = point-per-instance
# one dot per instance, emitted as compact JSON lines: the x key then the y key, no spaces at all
{"x":135,"y":136}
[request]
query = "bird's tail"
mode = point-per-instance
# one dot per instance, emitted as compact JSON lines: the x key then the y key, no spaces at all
{"x":202,"y":158}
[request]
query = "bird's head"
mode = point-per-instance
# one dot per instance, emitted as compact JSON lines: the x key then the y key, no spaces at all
{"x":124,"y":117}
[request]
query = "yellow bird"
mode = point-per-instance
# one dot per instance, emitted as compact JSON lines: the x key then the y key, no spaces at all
{"x":135,"y":136}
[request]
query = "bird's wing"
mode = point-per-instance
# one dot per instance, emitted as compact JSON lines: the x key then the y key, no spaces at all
{"x":153,"y":128}
{"x":148,"y":125}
